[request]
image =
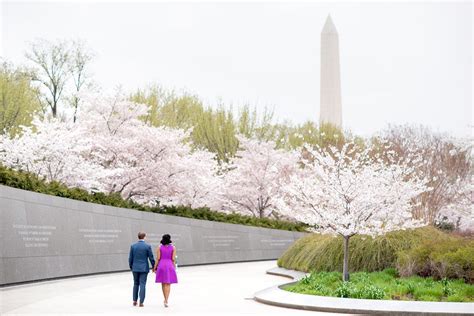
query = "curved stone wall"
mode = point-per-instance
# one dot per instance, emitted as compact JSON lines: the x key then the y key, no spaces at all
{"x":45,"y":237}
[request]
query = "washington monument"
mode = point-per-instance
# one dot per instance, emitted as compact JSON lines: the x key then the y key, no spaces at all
{"x":330,"y":93}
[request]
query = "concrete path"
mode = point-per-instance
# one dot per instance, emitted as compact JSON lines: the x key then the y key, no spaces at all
{"x":225,"y":289}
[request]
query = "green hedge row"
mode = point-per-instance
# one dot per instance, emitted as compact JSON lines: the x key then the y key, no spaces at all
{"x":30,"y":182}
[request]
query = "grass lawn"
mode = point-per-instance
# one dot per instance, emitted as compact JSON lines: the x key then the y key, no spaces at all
{"x":384,"y":285}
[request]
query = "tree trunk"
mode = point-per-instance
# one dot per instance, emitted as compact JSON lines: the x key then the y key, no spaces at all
{"x":345,"y":268}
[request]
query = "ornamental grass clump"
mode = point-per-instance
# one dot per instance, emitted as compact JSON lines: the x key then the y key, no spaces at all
{"x":425,"y":251}
{"x":440,"y":258}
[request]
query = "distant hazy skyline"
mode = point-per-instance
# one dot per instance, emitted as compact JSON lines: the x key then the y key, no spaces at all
{"x":400,"y":62}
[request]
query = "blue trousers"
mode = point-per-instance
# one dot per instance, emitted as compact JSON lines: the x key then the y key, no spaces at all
{"x":139,"y":285}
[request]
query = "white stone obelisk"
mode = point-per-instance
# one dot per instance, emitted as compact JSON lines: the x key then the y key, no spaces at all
{"x":330,"y":93}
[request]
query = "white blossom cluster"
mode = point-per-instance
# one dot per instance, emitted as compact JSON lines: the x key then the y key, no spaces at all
{"x":109,"y":149}
{"x":347,"y":192}
{"x":256,"y":177}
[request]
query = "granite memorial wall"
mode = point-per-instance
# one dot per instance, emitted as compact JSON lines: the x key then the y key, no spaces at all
{"x":45,"y":237}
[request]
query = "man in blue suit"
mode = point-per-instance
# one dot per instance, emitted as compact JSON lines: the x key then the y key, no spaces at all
{"x":140,"y":253}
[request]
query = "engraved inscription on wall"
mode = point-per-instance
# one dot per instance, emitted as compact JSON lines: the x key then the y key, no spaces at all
{"x":35,"y":236}
{"x":276,"y":242}
{"x":219,"y":241}
{"x":155,"y":238}
{"x":102,"y":236}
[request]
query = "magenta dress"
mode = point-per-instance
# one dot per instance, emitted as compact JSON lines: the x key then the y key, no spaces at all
{"x":166,"y":272}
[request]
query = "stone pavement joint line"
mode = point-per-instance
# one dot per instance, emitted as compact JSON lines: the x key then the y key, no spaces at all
{"x":278,"y":297}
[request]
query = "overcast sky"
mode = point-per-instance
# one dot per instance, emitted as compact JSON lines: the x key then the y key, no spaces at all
{"x":400,"y":62}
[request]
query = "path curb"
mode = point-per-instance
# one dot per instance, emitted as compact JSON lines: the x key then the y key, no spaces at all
{"x":278,"y":297}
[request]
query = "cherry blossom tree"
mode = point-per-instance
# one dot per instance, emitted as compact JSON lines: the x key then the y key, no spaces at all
{"x":110,"y":149}
{"x":447,"y":163}
{"x":460,"y":209}
{"x":346,"y":192}
{"x":255,"y":177}
{"x":52,"y":150}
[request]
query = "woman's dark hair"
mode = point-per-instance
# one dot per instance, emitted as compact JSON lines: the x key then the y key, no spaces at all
{"x":166,"y":239}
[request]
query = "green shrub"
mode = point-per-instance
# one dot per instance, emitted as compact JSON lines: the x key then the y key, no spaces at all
{"x":392,"y":272}
{"x":371,"y":292}
{"x":27,"y":181}
{"x":447,"y":290}
{"x":469,"y":291}
{"x":318,"y":287}
{"x":451,"y":257}
{"x":427,"y":298}
{"x":345,"y":289}
{"x":421,"y":291}
{"x":326,"y":277}
{"x":457,"y":298}
{"x":362,"y":277}
{"x":410,"y":288}
{"x":384,"y":285}
{"x":306,"y":280}
{"x":319,"y":252}
{"x":429,"y":283}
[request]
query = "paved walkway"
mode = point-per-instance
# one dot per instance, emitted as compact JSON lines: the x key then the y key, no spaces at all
{"x":225,"y":289}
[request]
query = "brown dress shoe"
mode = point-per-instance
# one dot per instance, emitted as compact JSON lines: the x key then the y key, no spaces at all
{"x":141,"y":305}
{"x":134,"y":303}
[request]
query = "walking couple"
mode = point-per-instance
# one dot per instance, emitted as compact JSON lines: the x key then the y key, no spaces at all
{"x":164,"y":267}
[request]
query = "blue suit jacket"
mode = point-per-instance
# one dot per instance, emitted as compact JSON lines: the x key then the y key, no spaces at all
{"x":140,"y":252}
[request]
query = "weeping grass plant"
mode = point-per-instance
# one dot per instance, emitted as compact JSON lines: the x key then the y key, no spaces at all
{"x":317,"y":252}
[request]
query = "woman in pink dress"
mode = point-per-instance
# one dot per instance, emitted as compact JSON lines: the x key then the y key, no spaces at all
{"x":165,"y":266}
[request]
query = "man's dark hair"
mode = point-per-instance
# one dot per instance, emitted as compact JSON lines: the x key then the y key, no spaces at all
{"x":141,"y":235}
